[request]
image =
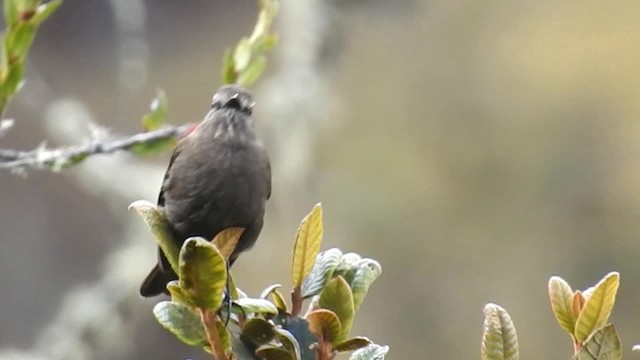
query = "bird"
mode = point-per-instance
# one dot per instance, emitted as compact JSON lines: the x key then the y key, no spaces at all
{"x":219,"y":176}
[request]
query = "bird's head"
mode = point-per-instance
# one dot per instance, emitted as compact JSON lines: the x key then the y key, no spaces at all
{"x":233,"y":97}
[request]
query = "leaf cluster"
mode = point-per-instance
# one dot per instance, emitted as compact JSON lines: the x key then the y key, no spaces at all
{"x":584,"y":315}
{"x":334,"y":285}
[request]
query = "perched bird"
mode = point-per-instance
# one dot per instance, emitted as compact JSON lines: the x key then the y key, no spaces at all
{"x":218,"y":177}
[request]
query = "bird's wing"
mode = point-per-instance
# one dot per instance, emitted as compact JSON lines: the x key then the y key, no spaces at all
{"x":174,"y":156}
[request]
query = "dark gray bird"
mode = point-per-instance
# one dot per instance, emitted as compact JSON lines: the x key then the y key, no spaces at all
{"x":218,"y":177}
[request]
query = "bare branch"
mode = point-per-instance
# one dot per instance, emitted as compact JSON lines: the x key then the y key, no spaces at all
{"x":42,"y":158}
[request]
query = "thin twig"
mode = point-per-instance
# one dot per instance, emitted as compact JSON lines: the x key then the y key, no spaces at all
{"x":52,"y":159}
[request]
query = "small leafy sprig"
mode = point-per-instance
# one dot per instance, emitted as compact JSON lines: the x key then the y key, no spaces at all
{"x":584,"y":315}
{"x":245,"y":63}
{"x":265,"y":327}
{"x":22,"y":18}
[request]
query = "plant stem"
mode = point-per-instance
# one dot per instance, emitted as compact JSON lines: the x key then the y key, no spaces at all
{"x":209,"y":321}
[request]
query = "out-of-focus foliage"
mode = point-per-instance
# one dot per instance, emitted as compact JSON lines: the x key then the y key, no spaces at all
{"x":247,"y":61}
{"x":23,"y":18}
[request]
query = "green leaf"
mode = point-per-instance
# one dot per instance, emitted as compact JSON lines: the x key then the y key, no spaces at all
{"x":155,"y":119}
{"x":159,"y":227}
{"x":338,"y":298}
{"x":19,"y":40}
{"x":259,"y":330}
{"x":227,"y":240}
{"x":4,"y":59}
{"x":324,"y":324}
{"x":273,"y":352}
{"x":603,"y":345}
{"x":252,"y":72}
{"x":598,"y":307}
{"x":225,"y":338}
{"x":268,"y":11}
{"x":348,"y":262}
{"x":256,"y":306}
{"x":352,"y":344}
{"x":182,"y":321}
{"x":499,"y":339}
{"x":366,"y":273}
{"x":371,"y":352}
{"x":203,"y":273}
{"x":228,"y":68}
{"x":307,"y":245}
{"x":561,"y":297}
{"x":10,"y":12}
{"x":276,"y":297}
{"x":242,"y":55}
{"x":44,"y":11}
{"x":234,"y":292}
{"x":151,"y":147}
{"x":321,"y":272}
{"x":289,"y":342}
{"x":176,"y":293}
{"x":265,"y":43}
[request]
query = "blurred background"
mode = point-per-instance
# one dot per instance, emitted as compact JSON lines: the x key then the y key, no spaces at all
{"x":474,"y":148}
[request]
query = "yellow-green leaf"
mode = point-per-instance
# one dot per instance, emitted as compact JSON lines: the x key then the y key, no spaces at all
{"x":499,"y":338}
{"x":324,"y":324}
{"x":182,"y":321}
{"x":353,"y":344}
{"x":268,"y":11}
{"x":156,"y":117}
{"x":242,"y":55}
{"x":265,"y":43}
{"x":276,"y":296}
{"x":338,"y":298}
{"x":228,"y":68}
{"x":253,"y":71}
{"x":561,"y":297}
{"x":44,"y":11}
{"x":159,"y":227}
{"x":176,"y":293}
{"x":225,"y":338}
{"x":10,"y":12}
{"x":203,"y":273}
{"x":603,"y":345}
{"x":307,"y":245}
{"x":227,"y":240}
{"x":152,"y":147}
{"x":598,"y":307}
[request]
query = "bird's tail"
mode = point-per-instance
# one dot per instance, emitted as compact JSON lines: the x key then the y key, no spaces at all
{"x":156,"y":282}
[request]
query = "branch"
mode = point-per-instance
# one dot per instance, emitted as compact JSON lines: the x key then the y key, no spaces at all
{"x":42,"y":158}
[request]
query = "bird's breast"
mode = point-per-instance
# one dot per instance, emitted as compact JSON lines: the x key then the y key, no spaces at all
{"x":221,"y":186}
